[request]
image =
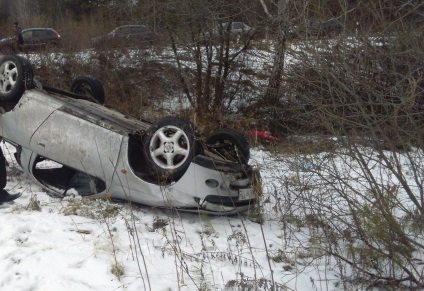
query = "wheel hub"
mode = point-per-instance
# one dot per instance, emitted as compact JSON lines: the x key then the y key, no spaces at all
{"x":8,"y":74}
{"x":168,"y":147}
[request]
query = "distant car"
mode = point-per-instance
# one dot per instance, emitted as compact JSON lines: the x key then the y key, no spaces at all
{"x":34,"y":39}
{"x":319,"y":29}
{"x":235,"y":31}
{"x":126,"y":35}
{"x":235,"y":27}
{"x":71,"y":144}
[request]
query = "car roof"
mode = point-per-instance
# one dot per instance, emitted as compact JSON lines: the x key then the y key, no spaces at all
{"x":132,"y":25}
{"x":37,"y":28}
{"x":232,"y":22}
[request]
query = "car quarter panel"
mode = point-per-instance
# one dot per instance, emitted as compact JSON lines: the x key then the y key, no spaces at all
{"x":19,"y":124}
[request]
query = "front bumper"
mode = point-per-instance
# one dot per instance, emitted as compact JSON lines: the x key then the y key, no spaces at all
{"x":237,"y":191}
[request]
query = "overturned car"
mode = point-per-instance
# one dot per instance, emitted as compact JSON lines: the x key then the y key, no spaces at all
{"x":71,"y":143}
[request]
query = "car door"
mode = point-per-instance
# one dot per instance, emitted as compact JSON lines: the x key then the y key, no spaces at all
{"x":50,"y":37}
{"x":69,"y":139}
{"x":33,"y":38}
{"x":28,"y":36}
{"x":40,"y":38}
{"x":236,"y":27}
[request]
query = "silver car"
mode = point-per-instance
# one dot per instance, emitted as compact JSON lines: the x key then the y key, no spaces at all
{"x":233,"y":31}
{"x":126,"y":35}
{"x":72,"y":144}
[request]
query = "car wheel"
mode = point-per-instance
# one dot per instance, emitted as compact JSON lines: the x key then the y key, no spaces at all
{"x":230,"y":145}
{"x":90,"y":87}
{"x":169,"y":145}
{"x":16,"y":75}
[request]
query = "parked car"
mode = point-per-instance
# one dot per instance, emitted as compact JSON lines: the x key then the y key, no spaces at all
{"x":70,"y":143}
{"x":235,"y":31}
{"x":126,"y":35}
{"x":235,"y":27}
{"x":319,"y":29}
{"x":34,"y":39}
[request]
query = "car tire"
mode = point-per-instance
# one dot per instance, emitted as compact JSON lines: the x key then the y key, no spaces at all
{"x":169,"y":146}
{"x":16,"y":75}
{"x":90,"y":87}
{"x":229,"y":144}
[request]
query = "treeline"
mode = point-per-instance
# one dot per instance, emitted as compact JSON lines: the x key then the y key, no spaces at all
{"x":354,"y":14}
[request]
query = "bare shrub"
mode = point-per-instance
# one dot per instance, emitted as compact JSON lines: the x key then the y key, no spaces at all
{"x":210,"y":59}
{"x":361,"y":199}
{"x":354,"y":84}
{"x":133,"y":80}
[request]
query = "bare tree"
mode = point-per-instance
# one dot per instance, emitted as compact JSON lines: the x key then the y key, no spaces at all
{"x":202,"y":33}
{"x":21,"y":10}
{"x":364,"y":197}
{"x":279,"y":21}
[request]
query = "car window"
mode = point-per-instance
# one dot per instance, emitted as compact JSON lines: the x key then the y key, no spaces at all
{"x":27,"y":34}
{"x":132,"y":30}
{"x":60,"y":177}
{"x":125,"y":30}
{"x":138,"y":30}
{"x":144,"y":29}
{"x":224,"y":26}
{"x":237,"y":25}
{"x":49,"y":33}
{"x":119,"y":30}
{"x":39,"y":33}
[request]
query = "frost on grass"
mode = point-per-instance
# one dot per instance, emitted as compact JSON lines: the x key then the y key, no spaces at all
{"x":90,"y":208}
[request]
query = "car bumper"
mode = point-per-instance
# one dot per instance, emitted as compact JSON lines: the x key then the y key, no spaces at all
{"x":237,"y":191}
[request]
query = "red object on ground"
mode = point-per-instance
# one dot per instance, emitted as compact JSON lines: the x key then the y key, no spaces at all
{"x":260,"y":134}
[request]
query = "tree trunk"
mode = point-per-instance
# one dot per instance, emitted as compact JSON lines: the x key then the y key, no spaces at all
{"x":274,"y":84}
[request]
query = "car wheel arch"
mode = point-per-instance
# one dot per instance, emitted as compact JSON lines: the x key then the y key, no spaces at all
{"x":229,"y":144}
{"x":90,"y":87}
